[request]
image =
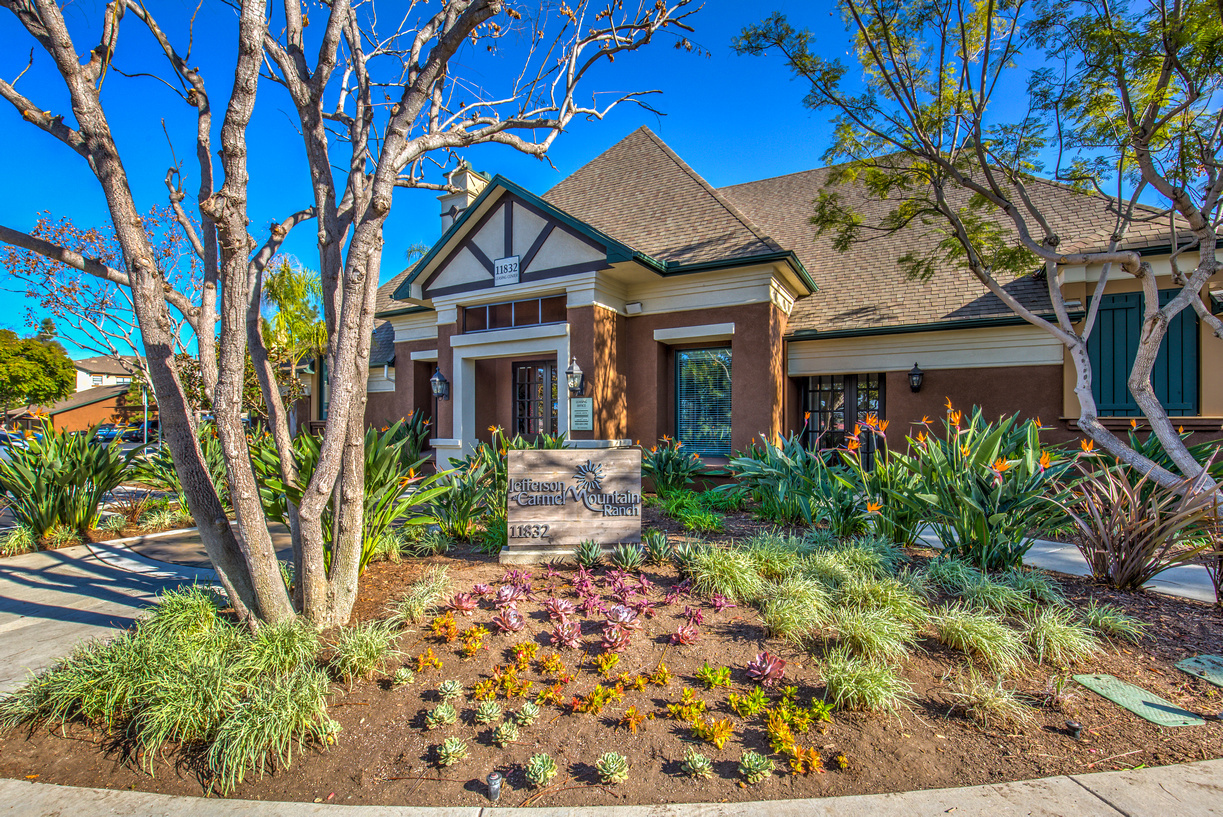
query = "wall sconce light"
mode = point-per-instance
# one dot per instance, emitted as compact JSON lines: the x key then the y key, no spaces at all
{"x":440,"y":385}
{"x":575,"y":378}
{"x":916,"y":376}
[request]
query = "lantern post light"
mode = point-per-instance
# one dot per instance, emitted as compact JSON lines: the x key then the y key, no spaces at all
{"x":575,"y":378}
{"x":440,"y":385}
{"x":916,"y":376}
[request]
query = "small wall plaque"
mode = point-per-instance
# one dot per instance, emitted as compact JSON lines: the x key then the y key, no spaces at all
{"x":582,"y":414}
{"x":505,"y":271}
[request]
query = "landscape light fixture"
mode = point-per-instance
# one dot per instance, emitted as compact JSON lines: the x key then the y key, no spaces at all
{"x":440,"y":385}
{"x":575,"y":378}
{"x":916,"y":376}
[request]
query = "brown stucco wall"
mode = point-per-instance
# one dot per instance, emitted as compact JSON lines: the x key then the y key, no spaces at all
{"x":105,"y":411}
{"x":757,"y":381}
{"x":597,"y":338}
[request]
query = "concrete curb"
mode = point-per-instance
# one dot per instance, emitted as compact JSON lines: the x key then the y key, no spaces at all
{"x":1189,"y":790}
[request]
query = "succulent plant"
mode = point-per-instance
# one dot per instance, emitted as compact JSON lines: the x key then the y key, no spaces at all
{"x":540,"y":769}
{"x":509,"y":620}
{"x":449,"y":690}
{"x":592,"y":604}
{"x":766,"y":669}
{"x":508,"y":595}
{"x":694,"y":615}
{"x":558,"y":609}
{"x":628,"y":557}
{"x":566,"y":634}
{"x":623,"y":617}
{"x":683,"y":554}
{"x":402,"y":676}
{"x":589,"y":554}
{"x":755,"y":767}
{"x":697,"y":765}
{"x":481,"y":590}
{"x":441,"y":715}
{"x":720,"y":602}
{"x":612,"y":768}
{"x":526,"y":714}
{"x":451,"y":751}
{"x":657,"y":548}
{"x":505,"y":734}
{"x":615,"y":639}
{"x":643,"y":607}
{"x":685,"y":635}
{"x":488,"y":712}
{"x":462,"y":603}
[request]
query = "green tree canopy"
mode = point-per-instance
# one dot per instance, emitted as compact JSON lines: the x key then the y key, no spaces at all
{"x":32,"y":372}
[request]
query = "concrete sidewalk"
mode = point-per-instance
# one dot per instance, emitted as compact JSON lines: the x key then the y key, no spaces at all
{"x":1191,"y":790}
{"x":53,"y":599}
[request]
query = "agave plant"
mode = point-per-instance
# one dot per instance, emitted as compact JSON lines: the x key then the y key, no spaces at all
{"x":508,"y":595}
{"x":558,"y":609}
{"x":685,"y":635}
{"x":566,"y":635}
{"x":509,"y":620}
{"x":628,"y":557}
{"x":766,"y":669}
{"x":612,"y":768}
{"x":462,"y":603}
{"x":657,"y":548}
{"x":615,"y":639}
{"x":540,"y":769}
{"x":589,"y":554}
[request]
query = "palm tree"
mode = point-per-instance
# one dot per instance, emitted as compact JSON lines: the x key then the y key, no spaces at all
{"x":295,"y":329}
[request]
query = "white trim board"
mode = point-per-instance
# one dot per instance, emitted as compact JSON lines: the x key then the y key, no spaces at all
{"x":949,"y":349}
{"x":427,"y":356}
{"x":693,"y":334}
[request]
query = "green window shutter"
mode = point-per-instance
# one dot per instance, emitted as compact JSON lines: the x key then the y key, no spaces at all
{"x":1175,"y":375}
{"x":702,"y":400}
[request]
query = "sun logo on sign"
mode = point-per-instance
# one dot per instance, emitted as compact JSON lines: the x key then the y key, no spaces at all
{"x":589,"y":477}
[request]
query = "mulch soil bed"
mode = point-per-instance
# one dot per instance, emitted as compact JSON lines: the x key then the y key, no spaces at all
{"x":384,"y":755}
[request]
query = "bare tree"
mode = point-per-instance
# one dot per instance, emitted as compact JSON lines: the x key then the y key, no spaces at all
{"x":374,"y":104}
{"x":1122,"y":102}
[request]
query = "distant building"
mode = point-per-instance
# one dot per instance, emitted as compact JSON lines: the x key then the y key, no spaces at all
{"x":92,"y":372}
{"x":80,"y":411}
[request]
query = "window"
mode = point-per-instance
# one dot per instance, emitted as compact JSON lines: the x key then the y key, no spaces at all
{"x":535,"y":398}
{"x":702,"y":400}
{"x":95,"y":380}
{"x":1114,"y":342}
{"x":123,"y":381}
{"x":532,"y":312}
{"x":835,"y":403}
{"x":324,"y":391}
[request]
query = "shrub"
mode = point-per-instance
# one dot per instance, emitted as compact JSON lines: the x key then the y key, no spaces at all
{"x":981,"y":636}
{"x":989,"y":703}
{"x":699,"y":520}
{"x":858,"y":684}
{"x":987,"y":489}
{"x":496,"y":536}
{"x":669,"y":467}
{"x":724,"y":499}
{"x":1129,"y":530}
{"x":1056,"y":638}
{"x":362,"y":649}
{"x":415,"y":603}
{"x":728,"y":571}
{"x":1109,"y":620}
{"x":777,"y":477}
{"x":60,"y":479}
{"x":458,"y":511}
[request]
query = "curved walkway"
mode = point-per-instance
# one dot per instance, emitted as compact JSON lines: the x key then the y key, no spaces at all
{"x":1191,"y":790}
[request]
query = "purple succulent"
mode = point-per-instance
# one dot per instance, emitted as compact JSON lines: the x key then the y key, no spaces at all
{"x":626,"y":598}
{"x":721,"y":603}
{"x":644,"y":607}
{"x":509,"y":620}
{"x":694,"y":616}
{"x":462,"y":603}
{"x":615,"y":639}
{"x":685,"y":635}
{"x":566,"y":634}
{"x":685,"y":586}
{"x":591,"y":605}
{"x":766,"y":669}
{"x":621,"y":616}
{"x":643,"y":584}
{"x":553,"y":574}
{"x":481,"y":590}
{"x":558,"y":609}
{"x":508,"y":595}
{"x":582,"y":575}
{"x":515,"y":576}
{"x":673,"y":595}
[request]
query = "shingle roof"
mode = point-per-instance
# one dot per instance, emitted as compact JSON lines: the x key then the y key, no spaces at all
{"x":82,"y":398}
{"x":640,"y":193}
{"x":386,"y":303}
{"x":108,"y":365}
{"x":866,"y":287}
{"x":382,"y":351}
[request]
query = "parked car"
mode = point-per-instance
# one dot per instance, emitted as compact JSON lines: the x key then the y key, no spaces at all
{"x":136,"y":433}
{"x":106,"y":433}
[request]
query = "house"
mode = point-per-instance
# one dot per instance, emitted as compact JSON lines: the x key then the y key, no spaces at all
{"x":717,"y":315}
{"x":105,"y":370}
{"x":82,"y":410}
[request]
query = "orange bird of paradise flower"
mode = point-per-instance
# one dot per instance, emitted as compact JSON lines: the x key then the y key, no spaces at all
{"x":1001,"y":465}
{"x":1087,"y":445}
{"x":1045,"y":460}
{"x":874,"y":507}
{"x":852,"y":444}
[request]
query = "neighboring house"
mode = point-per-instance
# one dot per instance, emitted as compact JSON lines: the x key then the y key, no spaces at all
{"x":717,"y":315}
{"x":92,"y":372}
{"x":101,"y":404}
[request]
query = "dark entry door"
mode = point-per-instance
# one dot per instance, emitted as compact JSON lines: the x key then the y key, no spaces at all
{"x":535,"y":397}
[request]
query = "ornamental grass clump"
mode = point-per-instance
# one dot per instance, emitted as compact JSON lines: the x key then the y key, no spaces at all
{"x":1109,"y":620}
{"x":1035,"y":584}
{"x":986,"y":594}
{"x":416,"y":603}
{"x":775,"y":555}
{"x":276,"y":649}
{"x":875,"y":634}
{"x":989,"y":703}
{"x":363,"y":649}
{"x":980,"y":635}
{"x":727,"y":571}
{"x":22,"y":540}
{"x":826,"y":568}
{"x":855,"y":683}
{"x":951,"y":574}
{"x":1055,"y":637}
{"x":888,"y":595}
{"x":795,"y":609}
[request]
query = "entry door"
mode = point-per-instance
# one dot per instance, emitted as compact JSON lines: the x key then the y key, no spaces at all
{"x":535,"y":398}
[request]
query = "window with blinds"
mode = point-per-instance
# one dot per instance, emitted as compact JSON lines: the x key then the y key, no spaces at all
{"x":702,"y":400}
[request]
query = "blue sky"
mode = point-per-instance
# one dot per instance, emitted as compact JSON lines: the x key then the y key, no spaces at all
{"x":733,"y":119}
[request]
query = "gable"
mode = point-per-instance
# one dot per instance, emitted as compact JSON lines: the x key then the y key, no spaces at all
{"x":544,"y":245}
